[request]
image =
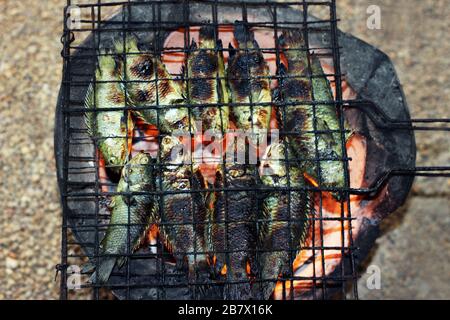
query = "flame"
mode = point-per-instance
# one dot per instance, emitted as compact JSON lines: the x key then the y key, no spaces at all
{"x":223,"y":272}
{"x":248,"y":269}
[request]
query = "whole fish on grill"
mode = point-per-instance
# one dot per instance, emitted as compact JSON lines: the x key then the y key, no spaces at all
{"x":206,"y":82}
{"x":303,"y":125}
{"x":233,"y":233}
{"x":249,"y":82}
{"x":208,"y":94}
{"x":129,"y":216}
{"x":151,"y":87}
{"x":283,"y":224}
{"x":113,"y":129}
{"x":180,"y":211}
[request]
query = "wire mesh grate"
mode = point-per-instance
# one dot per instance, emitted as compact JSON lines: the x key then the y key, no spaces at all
{"x":89,"y":184}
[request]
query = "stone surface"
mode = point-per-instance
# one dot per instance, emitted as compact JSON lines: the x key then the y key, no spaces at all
{"x":413,"y":253}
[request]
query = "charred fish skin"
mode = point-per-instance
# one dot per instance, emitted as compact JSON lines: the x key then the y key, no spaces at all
{"x":206,"y":81}
{"x":233,"y":232}
{"x":149,"y":84}
{"x":113,"y":129}
{"x":249,"y":82}
{"x":298,"y":120}
{"x":129,"y":216}
{"x":284,"y":219}
{"x":181,"y":213}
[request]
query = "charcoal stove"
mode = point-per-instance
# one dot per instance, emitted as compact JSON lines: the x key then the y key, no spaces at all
{"x":380,"y":162}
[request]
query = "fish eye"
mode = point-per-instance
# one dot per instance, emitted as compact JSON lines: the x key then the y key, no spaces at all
{"x":256,"y":59}
{"x":143,"y":67}
{"x":180,"y":123}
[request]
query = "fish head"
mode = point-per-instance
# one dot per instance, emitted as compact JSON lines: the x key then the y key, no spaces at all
{"x":139,"y":66}
{"x":181,"y":184}
{"x":175,"y":118}
{"x":137,"y":174}
{"x":115,"y":151}
{"x":173,"y":152}
{"x":248,"y":74}
{"x":273,"y":162}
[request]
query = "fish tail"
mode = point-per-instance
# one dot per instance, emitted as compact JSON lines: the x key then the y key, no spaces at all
{"x":243,"y":35}
{"x":207,"y":33}
{"x":294,"y":48}
{"x":291,"y":39}
{"x":130,"y":45}
{"x":238,"y":291}
{"x":102,"y":274}
{"x":274,"y":263}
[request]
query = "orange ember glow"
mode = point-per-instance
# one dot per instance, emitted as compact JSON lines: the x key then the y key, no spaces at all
{"x":223,"y":272}
{"x":248,"y":268}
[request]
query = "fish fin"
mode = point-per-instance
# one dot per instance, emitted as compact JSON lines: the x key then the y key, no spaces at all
{"x":183,"y":72}
{"x":193,"y":45}
{"x":321,"y":83}
{"x":281,"y":40}
{"x":276,"y":94}
{"x":207,"y":32}
{"x":105,"y":268}
{"x":266,"y":215}
{"x":231,"y":50}
{"x":282,"y":70}
{"x":121,"y":261}
{"x":255,"y":44}
{"x":291,"y":39}
{"x":309,"y":213}
{"x":89,"y":104}
{"x":219,"y":44}
{"x":88,"y":267}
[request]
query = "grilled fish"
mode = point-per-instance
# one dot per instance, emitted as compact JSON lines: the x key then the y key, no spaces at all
{"x":233,"y":232}
{"x":181,"y":212}
{"x":112,"y":129}
{"x":150,"y":85}
{"x":249,"y":82}
{"x":298,"y":119}
{"x":129,"y":216}
{"x":283,"y":223}
{"x":206,"y":81}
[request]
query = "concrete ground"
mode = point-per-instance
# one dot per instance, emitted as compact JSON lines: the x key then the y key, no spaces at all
{"x":413,"y":253}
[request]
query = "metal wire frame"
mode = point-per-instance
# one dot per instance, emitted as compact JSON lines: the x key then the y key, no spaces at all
{"x":127,"y":26}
